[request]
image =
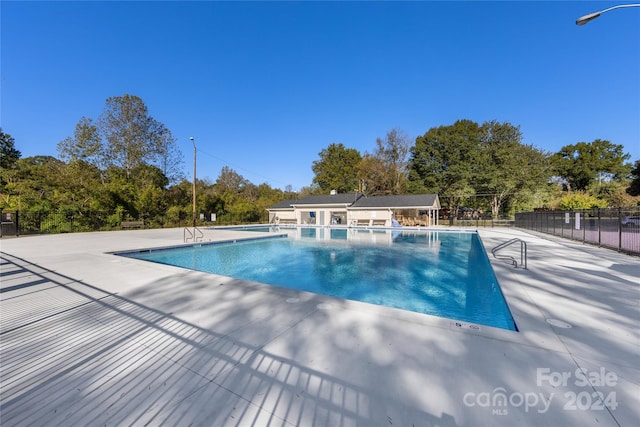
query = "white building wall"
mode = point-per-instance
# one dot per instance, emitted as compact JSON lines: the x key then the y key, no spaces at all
{"x":354,"y":217}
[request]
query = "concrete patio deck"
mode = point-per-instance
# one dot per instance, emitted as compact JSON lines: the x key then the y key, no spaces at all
{"x":90,"y":338}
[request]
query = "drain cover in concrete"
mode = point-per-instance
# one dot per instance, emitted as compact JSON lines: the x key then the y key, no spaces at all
{"x":324,"y":306}
{"x":558,"y":323}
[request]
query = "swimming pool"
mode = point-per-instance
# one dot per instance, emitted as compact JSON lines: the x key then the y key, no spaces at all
{"x":445,"y":274}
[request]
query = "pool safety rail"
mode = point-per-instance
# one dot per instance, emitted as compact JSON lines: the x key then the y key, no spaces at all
{"x":523,"y":252}
{"x":196,"y":236}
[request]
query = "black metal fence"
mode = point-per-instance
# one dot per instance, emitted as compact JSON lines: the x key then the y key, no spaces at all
{"x":16,"y":223}
{"x":615,"y":228}
{"x":478,"y":222}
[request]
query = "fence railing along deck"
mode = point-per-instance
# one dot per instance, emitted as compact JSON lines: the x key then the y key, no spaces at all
{"x":614,"y":228}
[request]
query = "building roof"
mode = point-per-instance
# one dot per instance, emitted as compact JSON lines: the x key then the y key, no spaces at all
{"x":358,"y":200}
{"x":331,"y":199}
{"x":285,"y":204}
{"x":399,"y":201}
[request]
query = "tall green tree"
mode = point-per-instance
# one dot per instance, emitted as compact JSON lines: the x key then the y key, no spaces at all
{"x":85,"y":145}
{"x":634,"y":186}
{"x":165,"y":153}
{"x":149,"y":191}
{"x":583,"y":164}
{"x":509,"y":166}
{"x":131,"y":136}
{"x":466,"y":160}
{"x":231,"y":182}
{"x":392,"y":151}
{"x":373,"y":176}
{"x":79,"y":187}
{"x":125,"y":124}
{"x":614,"y":193}
{"x":9,"y":155}
{"x":125,"y":136}
{"x":446,"y":160}
{"x":34,"y":183}
{"x":337,"y":169}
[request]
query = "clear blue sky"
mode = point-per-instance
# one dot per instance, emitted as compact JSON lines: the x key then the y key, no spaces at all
{"x":265,"y":86}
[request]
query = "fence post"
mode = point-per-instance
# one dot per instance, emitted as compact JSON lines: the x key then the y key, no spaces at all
{"x":599,"y":229}
{"x":619,"y":229}
{"x":572,"y":222}
{"x":561,"y":214}
{"x":17,"y":223}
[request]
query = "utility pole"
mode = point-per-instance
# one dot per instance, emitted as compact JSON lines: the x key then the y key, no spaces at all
{"x":194,"y":184}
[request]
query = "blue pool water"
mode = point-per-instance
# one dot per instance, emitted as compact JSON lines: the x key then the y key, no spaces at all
{"x":445,"y":274}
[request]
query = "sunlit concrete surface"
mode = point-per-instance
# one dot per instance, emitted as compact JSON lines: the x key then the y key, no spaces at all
{"x":91,"y":338}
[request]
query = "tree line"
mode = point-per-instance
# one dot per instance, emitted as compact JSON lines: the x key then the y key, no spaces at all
{"x":486,"y":167}
{"x":125,"y":164}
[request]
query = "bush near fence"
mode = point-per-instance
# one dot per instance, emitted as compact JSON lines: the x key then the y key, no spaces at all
{"x":614,"y":228}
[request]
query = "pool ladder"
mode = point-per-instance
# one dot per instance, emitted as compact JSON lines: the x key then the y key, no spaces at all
{"x":523,"y":252}
{"x":195,"y":235}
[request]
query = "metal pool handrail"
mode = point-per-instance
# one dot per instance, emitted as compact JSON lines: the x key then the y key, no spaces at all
{"x":194,"y":236}
{"x":523,"y":251}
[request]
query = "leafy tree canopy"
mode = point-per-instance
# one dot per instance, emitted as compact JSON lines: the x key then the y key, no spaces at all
{"x":466,"y":159}
{"x":392,"y":153}
{"x":230,"y":181}
{"x":337,"y":169}
{"x":125,"y":136}
{"x":86,"y":144}
{"x":582,"y":164}
{"x":511,"y":169}
{"x":373,"y":176}
{"x":445,"y":160}
{"x":8,"y":153}
{"x":634,"y":187}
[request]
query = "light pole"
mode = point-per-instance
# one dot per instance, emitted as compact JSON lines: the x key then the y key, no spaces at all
{"x":590,"y":17}
{"x":194,"y":183}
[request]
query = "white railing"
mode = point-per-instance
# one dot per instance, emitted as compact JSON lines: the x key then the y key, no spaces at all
{"x":523,"y":252}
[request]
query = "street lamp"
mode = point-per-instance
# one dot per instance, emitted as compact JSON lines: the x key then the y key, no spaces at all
{"x":194,"y":182}
{"x":590,"y":17}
